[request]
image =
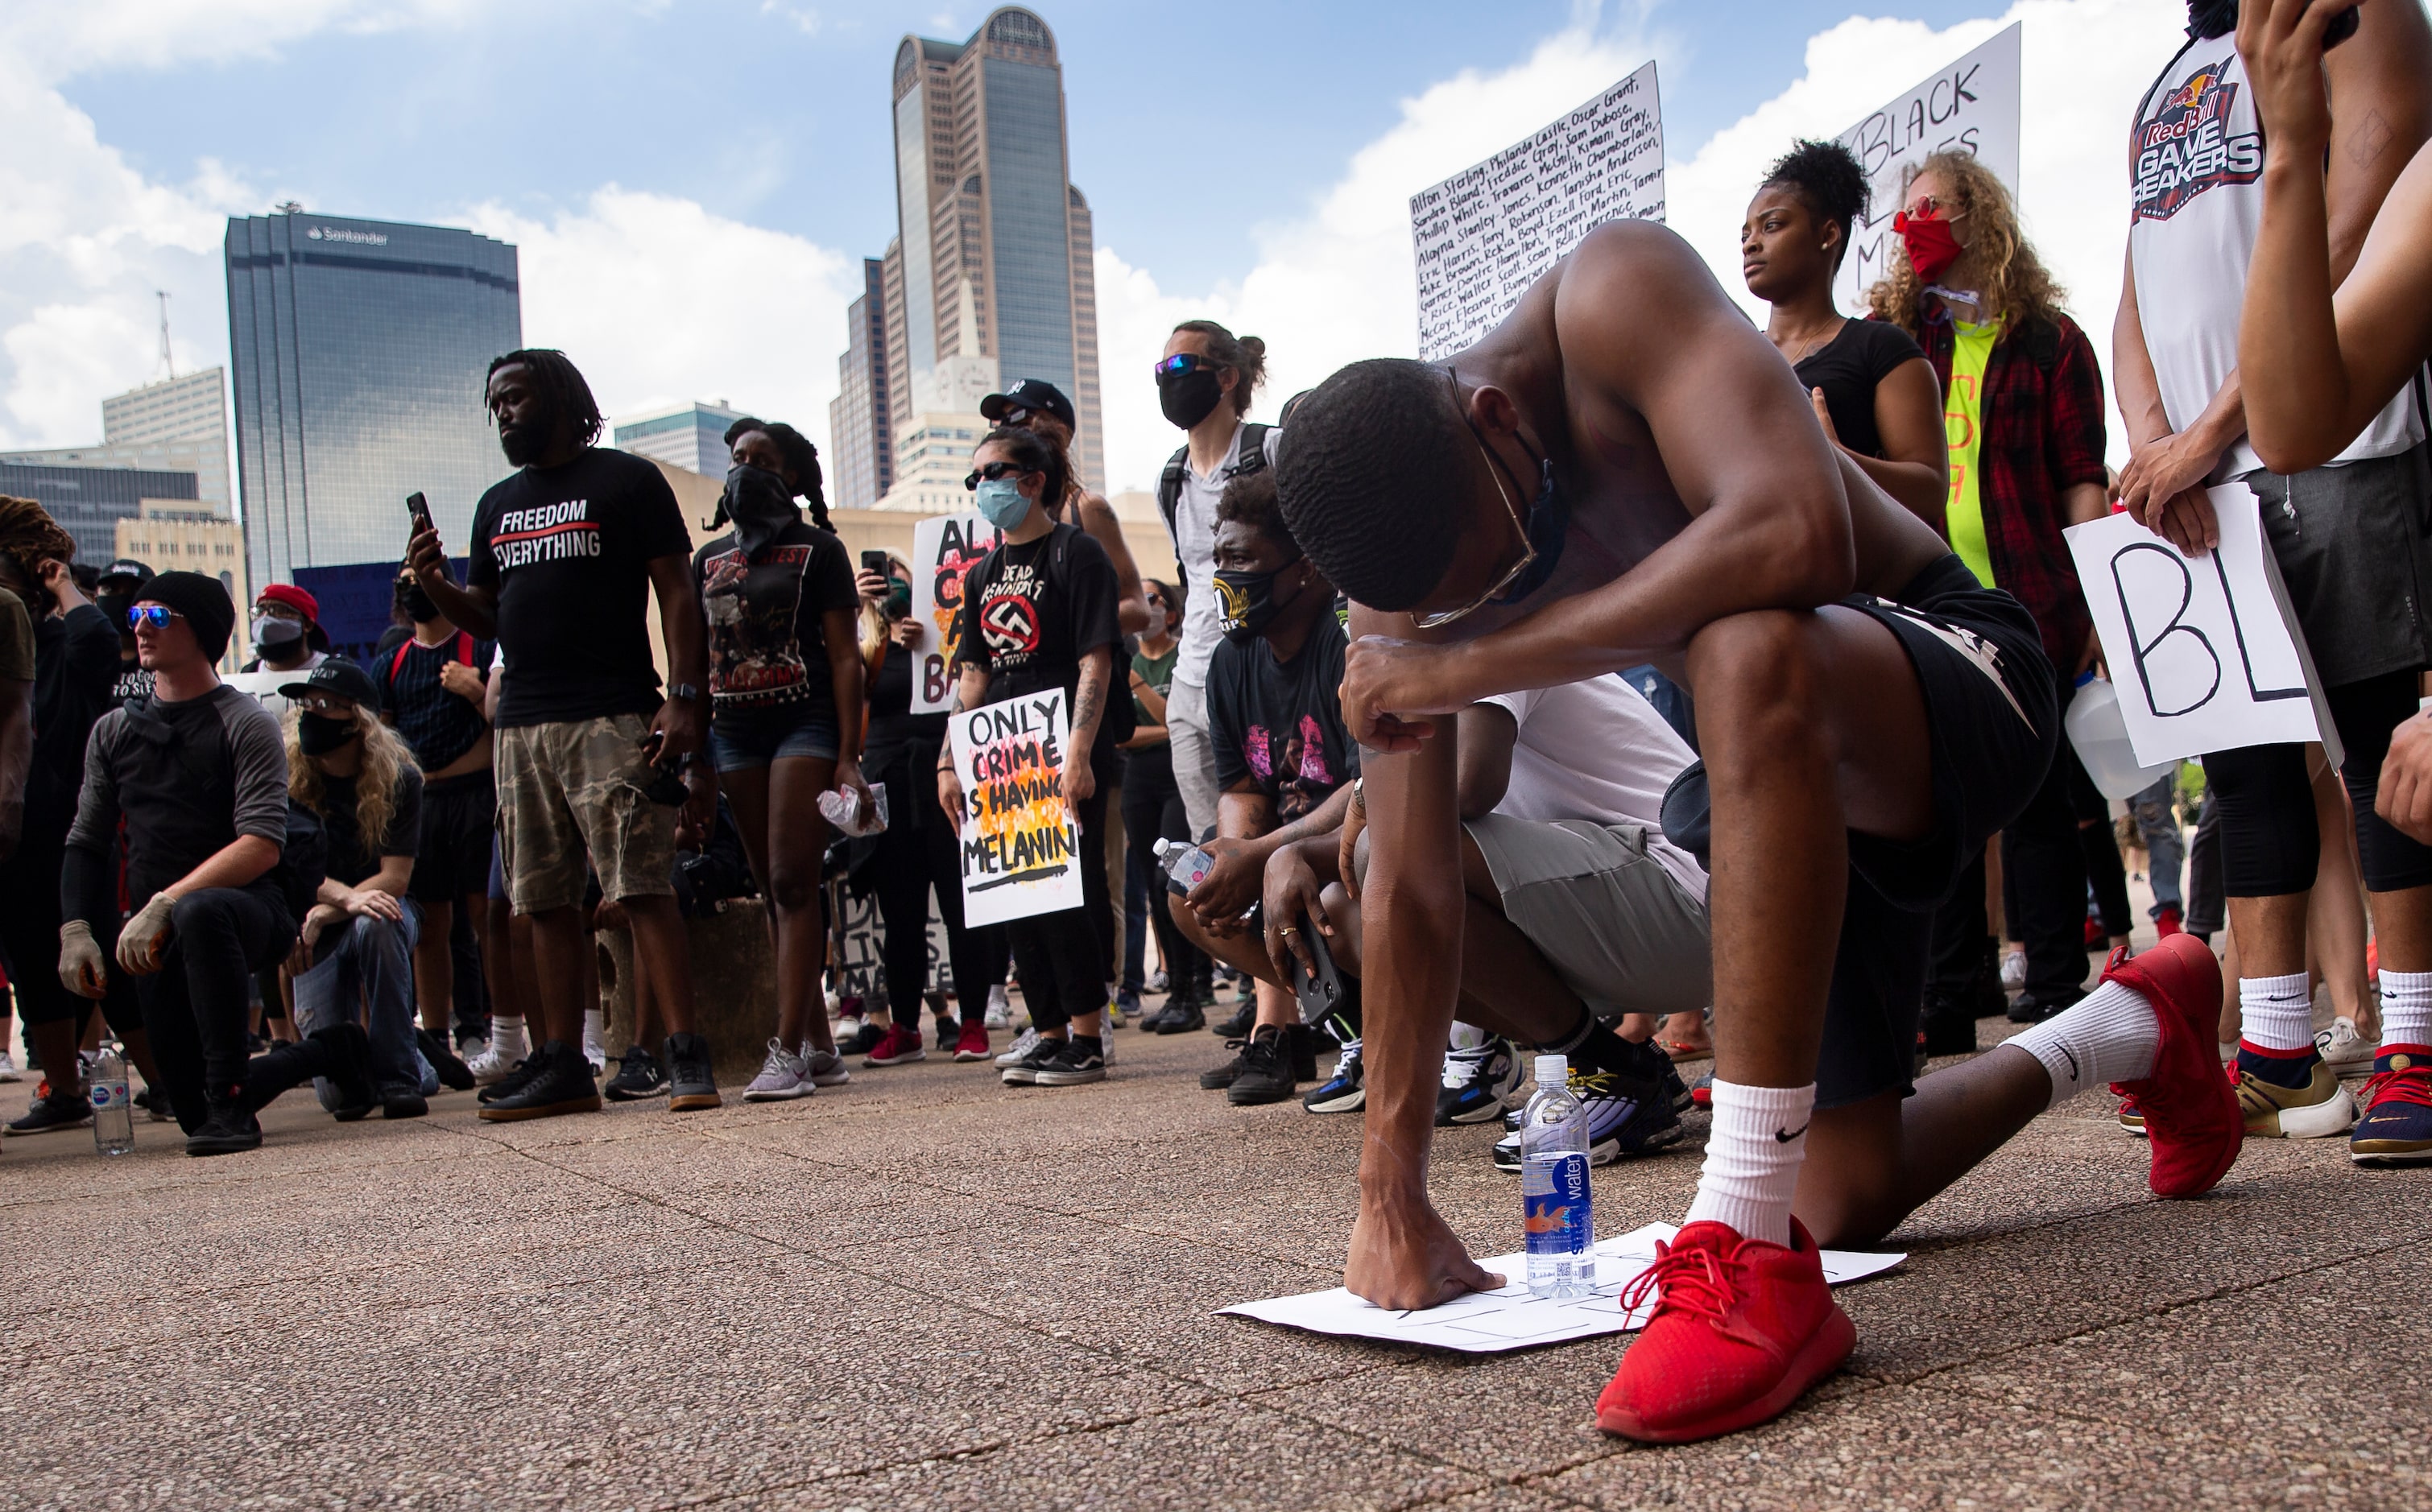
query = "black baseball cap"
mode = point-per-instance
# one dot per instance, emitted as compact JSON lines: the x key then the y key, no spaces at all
{"x":126,"y":567}
{"x":339,"y":676}
{"x":1031,"y":394}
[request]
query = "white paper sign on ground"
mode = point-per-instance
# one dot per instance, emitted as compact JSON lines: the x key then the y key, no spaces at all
{"x":1489,"y":1322}
{"x":1020,"y":847}
{"x":944,"y":546}
{"x":1485,"y":234}
{"x":1970,"y":105}
{"x":2205,"y":651}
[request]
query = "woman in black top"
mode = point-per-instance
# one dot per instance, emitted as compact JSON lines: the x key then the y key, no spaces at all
{"x":916,"y":852}
{"x":1153,"y":811}
{"x":1873,"y":390}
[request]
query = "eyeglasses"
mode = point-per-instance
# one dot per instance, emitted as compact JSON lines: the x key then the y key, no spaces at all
{"x":1926,"y":208}
{"x":1183,"y":362}
{"x":992,"y":470}
{"x":1528,"y":548}
{"x":155,"y":615}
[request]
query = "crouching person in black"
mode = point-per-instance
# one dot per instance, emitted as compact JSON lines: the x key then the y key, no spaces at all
{"x":199,"y":774}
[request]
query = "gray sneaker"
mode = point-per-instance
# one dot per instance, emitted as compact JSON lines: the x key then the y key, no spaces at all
{"x":1020,"y":1051}
{"x":782,"y":1076}
{"x":824,"y":1068}
{"x":691,"y":1085}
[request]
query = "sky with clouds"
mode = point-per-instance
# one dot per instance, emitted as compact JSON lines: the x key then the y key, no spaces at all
{"x":693,"y":182}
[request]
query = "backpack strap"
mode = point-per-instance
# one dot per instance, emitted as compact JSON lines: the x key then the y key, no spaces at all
{"x":1169,"y":498}
{"x":1253,"y":454}
{"x":465,"y":646}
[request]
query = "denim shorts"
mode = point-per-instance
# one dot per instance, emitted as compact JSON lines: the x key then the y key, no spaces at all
{"x":741,"y":738}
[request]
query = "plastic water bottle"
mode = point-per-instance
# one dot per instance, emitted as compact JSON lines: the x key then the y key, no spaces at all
{"x":1185,"y":865}
{"x":113,"y":1110}
{"x":2099,"y":732}
{"x":1554,"y":1186}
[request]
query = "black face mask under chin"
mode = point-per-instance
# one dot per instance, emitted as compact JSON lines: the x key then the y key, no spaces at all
{"x":2207,"y":19}
{"x":1190,"y":397}
{"x":320,"y":735}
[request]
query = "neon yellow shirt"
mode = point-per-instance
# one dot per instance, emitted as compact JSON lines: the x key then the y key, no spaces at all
{"x":1963,"y":424}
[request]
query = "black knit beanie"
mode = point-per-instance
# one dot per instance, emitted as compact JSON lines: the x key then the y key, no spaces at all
{"x":202,"y":600}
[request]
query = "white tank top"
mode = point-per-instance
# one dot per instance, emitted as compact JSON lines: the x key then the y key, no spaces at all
{"x":2196,"y":206}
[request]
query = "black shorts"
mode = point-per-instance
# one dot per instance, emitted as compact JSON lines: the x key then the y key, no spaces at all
{"x":459,"y":828}
{"x":1992,"y":709}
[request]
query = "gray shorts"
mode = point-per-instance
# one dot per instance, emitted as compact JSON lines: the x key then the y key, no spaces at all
{"x":1613,"y":923}
{"x":2355,"y":546}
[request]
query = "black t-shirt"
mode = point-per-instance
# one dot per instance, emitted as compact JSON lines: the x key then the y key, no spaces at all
{"x":75,"y":673}
{"x":441,"y":726}
{"x":766,"y":646}
{"x":1847,"y":368}
{"x":567,"y":552}
{"x":132,"y":682}
{"x":1279,"y":724}
{"x":1028,"y":621}
{"x":352,"y":861}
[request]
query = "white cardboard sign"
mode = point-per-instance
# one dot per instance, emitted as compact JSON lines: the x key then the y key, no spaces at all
{"x":2205,"y":651}
{"x":1019,"y":845}
{"x":1970,"y":105}
{"x":1490,"y":1322}
{"x":1485,"y":234}
{"x":944,"y":547}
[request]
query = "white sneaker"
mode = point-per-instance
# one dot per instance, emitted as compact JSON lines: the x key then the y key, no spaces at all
{"x":1000,"y":1011}
{"x":848,"y":1028}
{"x":825,"y":1067}
{"x":834,"y":1001}
{"x":493,"y":1064}
{"x":2345,"y":1050}
{"x":1021,"y":1048}
{"x":9,"y":1071}
{"x":782,"y":1076}
{"x":594,"y":1050}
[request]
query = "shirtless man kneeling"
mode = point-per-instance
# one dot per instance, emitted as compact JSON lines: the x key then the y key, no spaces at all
{"x":1626,"y":471}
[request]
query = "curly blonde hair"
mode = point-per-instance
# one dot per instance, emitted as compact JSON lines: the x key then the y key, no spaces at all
{"x":386,"y":760}
{"x":2017,"y":286}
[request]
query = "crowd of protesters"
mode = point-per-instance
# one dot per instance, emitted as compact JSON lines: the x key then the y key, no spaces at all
{"x":312,"y":884}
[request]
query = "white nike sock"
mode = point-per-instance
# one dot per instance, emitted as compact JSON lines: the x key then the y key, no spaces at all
{"x":2276,"y":1013}
{"x":507,"y":1036}
{"x":1752,"y":1159}
{"x":2406,"y":1007}
{"x":2108,"y":1036}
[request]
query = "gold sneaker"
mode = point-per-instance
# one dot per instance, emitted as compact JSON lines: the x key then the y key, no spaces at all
{"x":2320,"y":1108}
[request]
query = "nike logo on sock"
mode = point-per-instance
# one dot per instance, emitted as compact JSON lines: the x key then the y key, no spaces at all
{"x":2076,"y":1073}
{"x":1787,"y":1136}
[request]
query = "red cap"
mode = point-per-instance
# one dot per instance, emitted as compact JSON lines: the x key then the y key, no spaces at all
{"x":293,"y":597}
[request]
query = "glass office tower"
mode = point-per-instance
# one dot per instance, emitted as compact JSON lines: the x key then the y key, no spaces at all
{"x":360,"y":350}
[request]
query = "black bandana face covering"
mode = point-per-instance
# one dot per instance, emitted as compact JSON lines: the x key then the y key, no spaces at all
{"x":760,"y":505}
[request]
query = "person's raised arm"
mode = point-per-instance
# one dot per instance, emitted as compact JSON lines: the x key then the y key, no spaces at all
{"x":1915,"y":468}
{"x":679,"y":722}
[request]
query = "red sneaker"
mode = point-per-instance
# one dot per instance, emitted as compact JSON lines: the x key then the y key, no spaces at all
{"x":1741,"y":1329}
{"x":897,"y":1045}
{"x":971,"y":1045}
{"x":2190,"y":1109}
{"x":2167,"y":923}
{"x":2095,"y":939}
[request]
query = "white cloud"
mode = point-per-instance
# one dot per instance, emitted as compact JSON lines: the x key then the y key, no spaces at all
{"x":63,"y":36}
{"x":660,"y":302}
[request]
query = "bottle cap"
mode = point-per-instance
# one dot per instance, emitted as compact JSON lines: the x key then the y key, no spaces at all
{"x":1552,"y":1072}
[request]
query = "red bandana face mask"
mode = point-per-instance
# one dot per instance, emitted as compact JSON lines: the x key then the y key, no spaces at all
{"x":1932,"y":248}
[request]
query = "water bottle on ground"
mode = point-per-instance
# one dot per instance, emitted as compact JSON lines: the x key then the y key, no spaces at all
{"x":1185,"y":865}
{"x":1554,"y":1186}
{"x":113,"y":1110}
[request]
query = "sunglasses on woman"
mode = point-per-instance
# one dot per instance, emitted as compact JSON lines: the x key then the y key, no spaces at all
{"x":992,"y":470}
{"x":1183,"y":362}
{"x":155,"y":615}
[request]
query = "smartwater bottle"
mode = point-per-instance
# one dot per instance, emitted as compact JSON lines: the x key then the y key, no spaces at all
{"x":1185,"y":865}
{"x":1554,"y":1186}
{"x":113,"y":1111}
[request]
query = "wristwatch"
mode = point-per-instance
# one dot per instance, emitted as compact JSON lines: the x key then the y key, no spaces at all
{"x":682,"y":693}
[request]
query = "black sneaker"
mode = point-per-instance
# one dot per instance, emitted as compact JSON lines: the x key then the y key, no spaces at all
{"x":227,"y":1132}
{"x":948,"y":1030}
{"x":1221,"y":1077}
{"x":51,"y":1113}
{"x":1345,"y":1091}
{"x":1024,"y":1072}
{"x":1180,"y":1016}
{"x":2030,"y":1009}
{"x":638,"y":1076}
{"x":404,"y":1103}
{"x":1266,"y":1070}
{"x":691,"y":1086}
{"x":1626,"y":1117}
{"x":1081,"y":1058}
{"x":1949,"y":1025}
{"x":561,"y":1083}
{"x":865,"y":1041}
{"x":1238,"y":1024}
{"x":453,"y":1073}
{"x":348,"y":1053}
{"x":516,"y":1080}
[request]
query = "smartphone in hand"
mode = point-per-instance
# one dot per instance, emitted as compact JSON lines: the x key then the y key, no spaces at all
{"x":418,"y":509}
{"x":874,"y":562}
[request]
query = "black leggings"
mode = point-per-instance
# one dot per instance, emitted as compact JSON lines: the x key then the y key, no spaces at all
{"x":2270,"y":841}
{"x":1153,"y":811}
{"x":915,"y":853}
{"x":1061,"y":957}
{"x":194,"y":1007}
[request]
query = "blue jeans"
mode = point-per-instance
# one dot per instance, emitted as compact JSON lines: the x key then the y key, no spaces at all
{"x":366,"y":966}
{"x":2158,"y":822}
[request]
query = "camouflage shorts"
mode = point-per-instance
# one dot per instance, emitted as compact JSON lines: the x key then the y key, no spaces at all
{"x":574,"y":787}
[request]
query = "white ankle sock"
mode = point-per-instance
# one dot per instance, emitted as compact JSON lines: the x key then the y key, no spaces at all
{"x":1752,"y":1159}
{"x":2276,"y":1013}
{"x":2406,"y":1007}
{"x":507,"y":1036}
{"x":1467,"y":1036}
{"x":2108,"y":1036}
{"x":595,"y":1028}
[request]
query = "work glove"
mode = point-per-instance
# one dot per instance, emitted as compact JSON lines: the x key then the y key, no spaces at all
{"x":81,"y":968}
{"x":146,"y":936}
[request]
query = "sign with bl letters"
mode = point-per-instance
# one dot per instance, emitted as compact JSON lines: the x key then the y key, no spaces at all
{"x":944,"y":547}
{"x":2205,"y":651}
{"x":1020,"y":847}
{"x":1487,"y":234}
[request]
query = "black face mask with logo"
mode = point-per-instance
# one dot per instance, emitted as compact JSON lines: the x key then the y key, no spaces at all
{"x":320,"y":735}
{"x":1188,"y":398}
{"x":1246,"y":602}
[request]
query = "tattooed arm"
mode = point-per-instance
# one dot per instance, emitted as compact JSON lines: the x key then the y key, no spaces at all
{"x":1089,"y":708}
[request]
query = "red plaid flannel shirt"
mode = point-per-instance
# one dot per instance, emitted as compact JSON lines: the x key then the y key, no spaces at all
{"x":2042,"y":411}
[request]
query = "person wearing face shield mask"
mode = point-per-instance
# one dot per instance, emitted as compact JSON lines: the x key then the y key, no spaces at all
{"x":1039,"y":613}
{"x":286,"y":630}
{"x":1204,"y":384}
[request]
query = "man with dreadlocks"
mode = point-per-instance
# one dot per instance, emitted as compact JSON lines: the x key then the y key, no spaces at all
{"x":564,"y":554}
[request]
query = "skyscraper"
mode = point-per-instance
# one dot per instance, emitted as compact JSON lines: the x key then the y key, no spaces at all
{"x":691,"y":436}
{"x":360,"y":349}
{"x":860,"y":434}
{"x":991,"y":266}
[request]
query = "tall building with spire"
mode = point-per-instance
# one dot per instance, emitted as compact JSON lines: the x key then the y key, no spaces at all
{"x":990,"y":277}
